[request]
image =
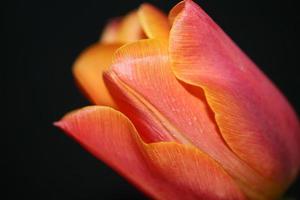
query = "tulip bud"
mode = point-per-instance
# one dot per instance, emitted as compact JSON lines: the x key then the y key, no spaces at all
{"x":182,"y":112}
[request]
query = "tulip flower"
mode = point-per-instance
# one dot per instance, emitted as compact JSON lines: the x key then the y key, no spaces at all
{"x":182,"y":112}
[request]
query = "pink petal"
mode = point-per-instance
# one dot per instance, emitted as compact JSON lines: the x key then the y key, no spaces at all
{"x":255,"y":120}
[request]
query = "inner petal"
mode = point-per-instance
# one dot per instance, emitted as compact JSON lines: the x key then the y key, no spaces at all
{"x":154,"y":22}
{"x":88,"y":70}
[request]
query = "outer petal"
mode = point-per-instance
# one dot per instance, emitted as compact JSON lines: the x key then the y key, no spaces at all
{"x":162,"y":170}
{"x":154,"y":22}
{"x":255,"y":120}
{"x":88,"y":70}
{"x":145,"y":89}
{"x":110,"y":136}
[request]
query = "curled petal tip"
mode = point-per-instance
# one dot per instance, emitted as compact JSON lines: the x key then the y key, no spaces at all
{"x":154,"y":22}
{"x":110,"y":32}
{"x":57,"y":123}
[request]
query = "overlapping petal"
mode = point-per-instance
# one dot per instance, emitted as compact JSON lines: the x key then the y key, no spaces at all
{"x":158,"y":169}
{"x":145,"y":89}
{"x":254,"y":118}
{"x":88,"y":70}
{"x":203,"y":121}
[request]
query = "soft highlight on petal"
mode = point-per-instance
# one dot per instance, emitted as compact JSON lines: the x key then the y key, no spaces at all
{"x":255,"y":120}
{"x":154,"y":22}
{"x":88,"y":70}
{"x":110,"y":136}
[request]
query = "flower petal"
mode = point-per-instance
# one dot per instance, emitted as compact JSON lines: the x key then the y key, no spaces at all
{"x":122,"y":30}
{"x":110,"y":32}
{"x":254,"y":119}
{"x":154,"y":22}
{"x":110,"y":137}
{"x":146,"y":90}
{"x":88,"y":70}
{"x":130,"y":28}
{"x":191,"y":172}
{"x":163,"y":170}
{"x":175,"y":11}
{"x":135,"y":107}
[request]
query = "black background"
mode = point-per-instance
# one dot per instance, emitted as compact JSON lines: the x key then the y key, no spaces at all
{"x":42,"y":39}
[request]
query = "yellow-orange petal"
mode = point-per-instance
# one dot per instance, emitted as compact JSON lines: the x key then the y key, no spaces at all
{"x":88,"y":70}
{"x":130,"y":28}
{"x":153,"y":21}
{"x":146,"y":90}
{"x":162,"y":170}
{"x":255,"y":120}
{"x":110,"y":32}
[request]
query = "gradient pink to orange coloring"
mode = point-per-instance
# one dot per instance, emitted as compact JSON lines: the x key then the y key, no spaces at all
{"x":182,"y":112}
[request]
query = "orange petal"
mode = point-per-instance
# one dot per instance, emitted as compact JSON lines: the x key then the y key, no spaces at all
{"x":255,"y":120}
{"x":123,"y":30}
{"x":145,"y":89}
{"x":162,"y":170}
{"x":193,"y":174}
{"x":88,"y":70}
{"x":154,"y":22}
{"x":110,"y":32}
{"x":175,"y":11}
{"x":110,"y":137}
{"x":130,"y":29}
